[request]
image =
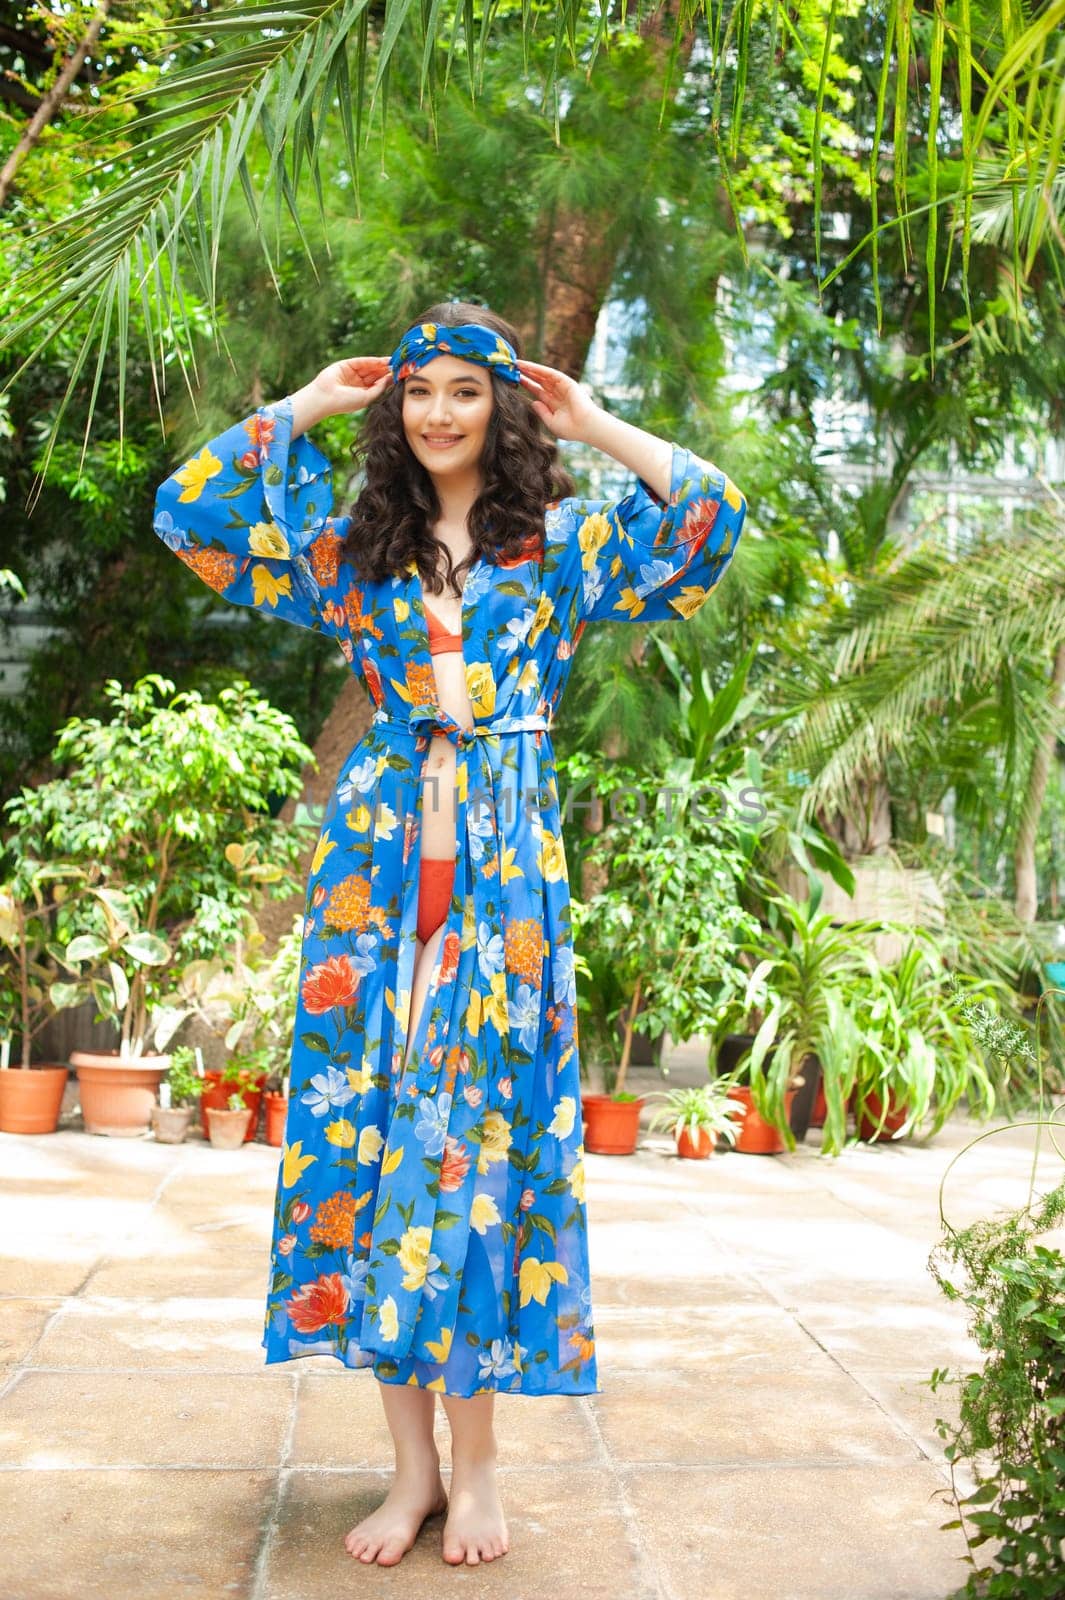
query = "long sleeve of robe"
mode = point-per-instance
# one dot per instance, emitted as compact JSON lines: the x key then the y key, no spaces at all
{"x":430,"y":1218}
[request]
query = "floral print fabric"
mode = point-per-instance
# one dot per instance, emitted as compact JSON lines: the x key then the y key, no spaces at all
{"x":430,"y":1221}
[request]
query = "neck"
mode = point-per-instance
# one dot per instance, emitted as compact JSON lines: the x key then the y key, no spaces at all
{"x":456,"y":493}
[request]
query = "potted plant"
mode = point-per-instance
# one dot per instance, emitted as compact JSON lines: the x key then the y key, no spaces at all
{"x":31,"y":900}
{"x":928,"y":1057}
{"x":228,"y":1124}
{"x":109,"y":959}
{"x":248,"y":1001}
{"x":665,"y":926}
{"x":800,"y":986}
{"x":179,"y":1093}
{"x":696,"y":1116}
{"x":149,"y":809}
{"x":244,"y":1074}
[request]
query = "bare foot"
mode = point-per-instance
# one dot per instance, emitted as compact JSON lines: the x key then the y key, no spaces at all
{"x":475,"y":1530}
{"x":387,"y":1534}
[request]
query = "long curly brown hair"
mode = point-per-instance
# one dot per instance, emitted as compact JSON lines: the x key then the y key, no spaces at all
{"x":398,"y":504}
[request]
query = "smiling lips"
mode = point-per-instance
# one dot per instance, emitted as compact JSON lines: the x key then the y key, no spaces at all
{"x":441,"y":441}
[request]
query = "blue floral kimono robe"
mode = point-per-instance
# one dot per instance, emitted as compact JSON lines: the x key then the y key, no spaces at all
{"x":430,"y":1221}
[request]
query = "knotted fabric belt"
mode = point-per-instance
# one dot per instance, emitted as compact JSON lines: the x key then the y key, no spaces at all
{"x":432,"y":719}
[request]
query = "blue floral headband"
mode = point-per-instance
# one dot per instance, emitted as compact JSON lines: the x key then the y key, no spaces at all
{"x":470,"y":341}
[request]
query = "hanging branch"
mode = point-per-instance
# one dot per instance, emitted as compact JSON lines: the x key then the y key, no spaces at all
{"x":52,"y":101}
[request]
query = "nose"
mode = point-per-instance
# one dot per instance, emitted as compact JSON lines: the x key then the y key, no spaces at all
{"x":439,"y":410}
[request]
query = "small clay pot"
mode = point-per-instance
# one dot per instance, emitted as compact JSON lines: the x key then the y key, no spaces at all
{"x":218,"y":1091}
{"x":700,"y":1147}
{"x":226,"y":1129}
{"x":170,"y":1124}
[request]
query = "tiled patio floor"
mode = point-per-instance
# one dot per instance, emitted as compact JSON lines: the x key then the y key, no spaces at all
{"x":763,"y":1327}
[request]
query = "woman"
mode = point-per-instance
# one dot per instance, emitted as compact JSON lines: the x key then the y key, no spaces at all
{"x":430,"y":1218}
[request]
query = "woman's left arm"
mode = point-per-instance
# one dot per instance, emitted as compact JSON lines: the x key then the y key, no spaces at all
{"x":658,"y":552}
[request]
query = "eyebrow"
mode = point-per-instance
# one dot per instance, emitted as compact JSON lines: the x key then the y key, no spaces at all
{"x":416,"y":377}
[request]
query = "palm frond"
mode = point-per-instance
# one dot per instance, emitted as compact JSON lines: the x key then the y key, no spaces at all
{"x":921,"y":642}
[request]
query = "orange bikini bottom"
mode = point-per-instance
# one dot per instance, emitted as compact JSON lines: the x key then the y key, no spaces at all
{"x":435,"y":881}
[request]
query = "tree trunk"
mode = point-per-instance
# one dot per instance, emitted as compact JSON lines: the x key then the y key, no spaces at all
{"x":1026,"y":890}
{"x":579,"y":248}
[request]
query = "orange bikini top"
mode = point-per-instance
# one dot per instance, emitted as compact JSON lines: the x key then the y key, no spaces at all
{"x":439,"y":638}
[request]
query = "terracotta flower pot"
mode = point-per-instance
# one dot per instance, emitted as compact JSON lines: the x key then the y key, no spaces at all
{"x":611,"y":1126}
{"x":31,"y":1099}
{"x":276,"y":1111}
{"x":226,"y":1129}
{"x":700,"y":1147}
{"x":869,"y":1118}
{"x":757,"y":1137}
{"x":170,"y":1124}
{"x":117,"y":1095}
{"x":801,"y":1099}
{"x":216,"y":1096}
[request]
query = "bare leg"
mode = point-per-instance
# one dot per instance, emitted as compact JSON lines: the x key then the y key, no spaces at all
{"x":418,"y":1490}
{"x":475,"y":1529}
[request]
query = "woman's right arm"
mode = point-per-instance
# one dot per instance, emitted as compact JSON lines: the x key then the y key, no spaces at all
{"x":251,"y":512}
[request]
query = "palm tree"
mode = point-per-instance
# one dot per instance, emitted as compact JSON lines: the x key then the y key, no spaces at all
{"x":948,"y":659}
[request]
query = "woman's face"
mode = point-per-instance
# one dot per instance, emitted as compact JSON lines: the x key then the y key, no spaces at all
{"x":446,"y":407}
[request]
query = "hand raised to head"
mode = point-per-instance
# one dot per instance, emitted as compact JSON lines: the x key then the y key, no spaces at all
{"x":558,"y":399}
{"x":353,"y":383}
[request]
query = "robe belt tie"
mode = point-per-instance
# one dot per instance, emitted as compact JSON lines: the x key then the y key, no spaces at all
{"x":434,"y":719}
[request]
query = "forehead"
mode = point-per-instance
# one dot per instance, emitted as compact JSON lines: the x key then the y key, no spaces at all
{"x":449,"y":369}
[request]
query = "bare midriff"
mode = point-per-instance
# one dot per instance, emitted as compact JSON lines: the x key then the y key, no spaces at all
{"x":439,"y":810}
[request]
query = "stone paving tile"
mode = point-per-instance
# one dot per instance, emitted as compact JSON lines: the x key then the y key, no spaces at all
{"x":733,"y":1338}
{"x":703,"y":1418}
{"x":32,"y":1276}
{"x":714,"y":1285}
{"x":132,"y":1535}
{"x":798,"y":1532}
{"x":98,"y":1419}
{"x":108,"y":1332}
{"x":21,"y":1324}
